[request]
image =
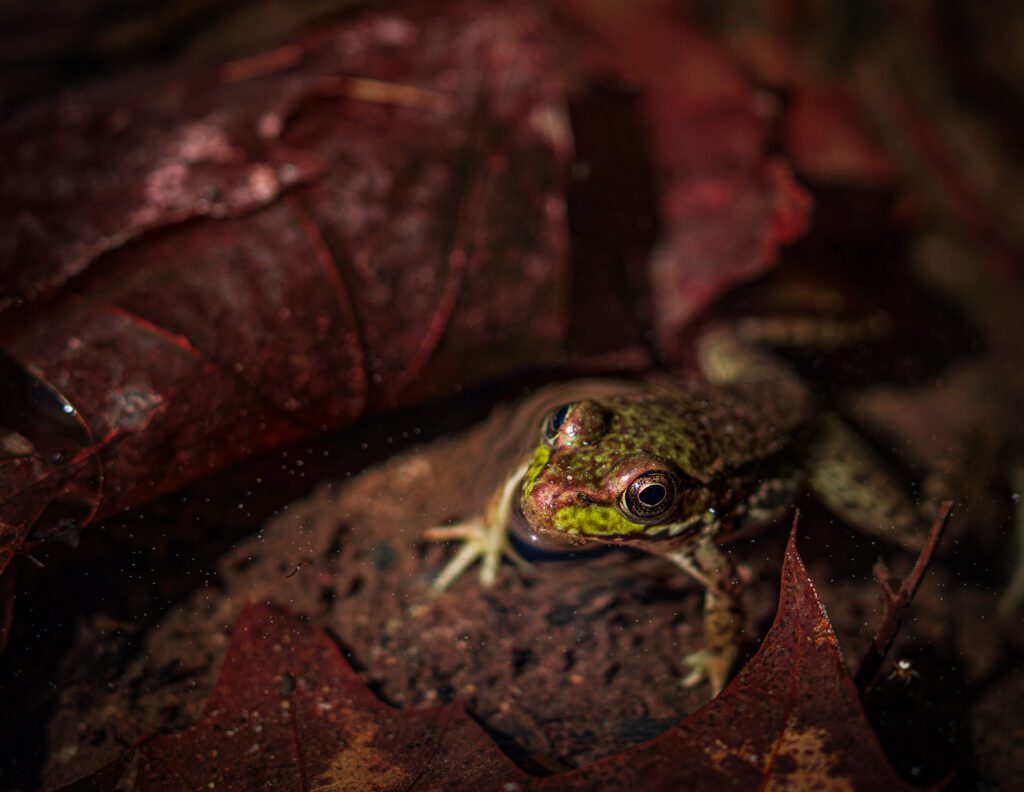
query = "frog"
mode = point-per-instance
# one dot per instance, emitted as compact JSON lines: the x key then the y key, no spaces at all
{"x":678,"y":467}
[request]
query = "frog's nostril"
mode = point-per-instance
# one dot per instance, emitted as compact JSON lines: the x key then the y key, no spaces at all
{"x":582,"y":497}
{"x":584,"y":425}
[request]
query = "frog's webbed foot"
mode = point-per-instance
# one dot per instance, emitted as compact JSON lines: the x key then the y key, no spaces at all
{"x":709,"y":666}
{"x":485,"y":538}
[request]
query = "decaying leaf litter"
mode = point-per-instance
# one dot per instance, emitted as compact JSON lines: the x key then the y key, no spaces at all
{"x":967,"y":635}
{"x":288,"y":710}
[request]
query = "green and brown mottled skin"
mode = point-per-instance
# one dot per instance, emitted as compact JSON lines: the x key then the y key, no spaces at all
{"x":719,"y":449}
{"x":732,"y":447}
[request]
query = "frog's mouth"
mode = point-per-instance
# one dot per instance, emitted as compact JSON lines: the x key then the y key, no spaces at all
{"x":606,"y":524}
{"x":546,"y":540}
{"x":564,"y":523}
{"x":584,"y":520}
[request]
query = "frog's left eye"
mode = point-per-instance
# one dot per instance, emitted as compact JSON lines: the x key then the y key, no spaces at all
{"x":553,"y":423}
{"x":649,"y":497}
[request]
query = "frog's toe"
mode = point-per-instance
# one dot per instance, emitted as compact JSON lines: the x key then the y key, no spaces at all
{"x":696,"y":662}
{"x":463,"y":560}
{"x":480,"y":542}
{"x":445,"y":533}
{"x":706,"y":665}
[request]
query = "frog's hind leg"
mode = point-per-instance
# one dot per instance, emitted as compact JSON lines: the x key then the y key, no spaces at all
{"x":855,"y":485}
{"x":734,"y":353}
{"x":485,"y":538}
{"x":816,"y":333}
{"x":768,"y":501}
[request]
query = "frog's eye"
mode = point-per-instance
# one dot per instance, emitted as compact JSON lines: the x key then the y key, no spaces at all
{"x":649,"y":497}
{"x":553,"y":423}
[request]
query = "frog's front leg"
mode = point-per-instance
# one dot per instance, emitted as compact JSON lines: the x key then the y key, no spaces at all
{"x":723,"y":611}
{"x":485,"y":537}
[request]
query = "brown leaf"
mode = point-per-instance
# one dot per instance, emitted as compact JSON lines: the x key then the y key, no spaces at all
{"x":289,"y":712}
{"x":791,"y":718}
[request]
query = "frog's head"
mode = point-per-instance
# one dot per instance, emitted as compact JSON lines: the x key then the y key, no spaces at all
{"x":622,"y":470}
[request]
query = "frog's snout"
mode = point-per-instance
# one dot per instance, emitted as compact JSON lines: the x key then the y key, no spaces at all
{"x":543,"y":498}
{"x":548,"y":497}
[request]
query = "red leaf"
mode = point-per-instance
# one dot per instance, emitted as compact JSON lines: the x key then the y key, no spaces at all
{"x":827,"y":141}
{"x":289,"y":712}
{"x":421,"y":247}
{"x":726,"y":206}
{"x":790,"y":719}
{"x":87,"y":173}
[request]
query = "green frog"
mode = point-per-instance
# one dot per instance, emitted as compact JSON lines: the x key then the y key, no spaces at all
{"x":677,"y":467}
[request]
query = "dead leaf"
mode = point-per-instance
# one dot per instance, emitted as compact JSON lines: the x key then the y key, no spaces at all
{"x":288,"y":711}
{"x":247,"y":257}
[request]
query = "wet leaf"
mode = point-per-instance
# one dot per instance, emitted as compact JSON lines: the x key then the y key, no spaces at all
{"x":726,"y":205}
{"x":219,"y":260}
{"x":790,"y":719}
{"x":289,"y":711}
{"x":827,"y":141}
{"x":203,"y":264}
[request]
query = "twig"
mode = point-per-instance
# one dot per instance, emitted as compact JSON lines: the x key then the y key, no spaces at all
{"x":1014,"y":594}
{"x":897,"y":601}
{"x":364,"y":89}
{"x":298,"y":566}
{"x":258,"y":65}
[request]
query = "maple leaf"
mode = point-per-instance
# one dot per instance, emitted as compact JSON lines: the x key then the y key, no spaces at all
{"x":791,"y":718}
{"x":289,"y":712}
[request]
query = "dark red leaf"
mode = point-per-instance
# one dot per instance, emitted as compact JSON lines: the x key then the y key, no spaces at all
{"x":790,"y":719}
{"x":827,"y":141}
{"x":289,"y":712}
{"x":726,"y":206}
{"x":382,"y":219}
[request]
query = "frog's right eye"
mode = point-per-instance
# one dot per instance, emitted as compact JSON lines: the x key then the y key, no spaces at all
{"x":649,"y":497}
{"x":553,"y":423}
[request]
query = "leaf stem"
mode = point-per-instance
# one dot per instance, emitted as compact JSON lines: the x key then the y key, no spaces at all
{"x":896,"y":603}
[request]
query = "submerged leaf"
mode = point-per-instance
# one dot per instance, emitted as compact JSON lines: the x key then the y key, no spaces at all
{"x":790,"y":719}
{"x":288,"y":711}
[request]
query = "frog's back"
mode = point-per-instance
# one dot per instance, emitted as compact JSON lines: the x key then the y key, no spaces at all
{"x":737,"y":425}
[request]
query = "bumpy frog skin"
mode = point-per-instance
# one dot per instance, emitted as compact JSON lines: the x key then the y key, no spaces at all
{"x":580,"y":482}
{"x":671,"y":468}
{"x":635,"y":469}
